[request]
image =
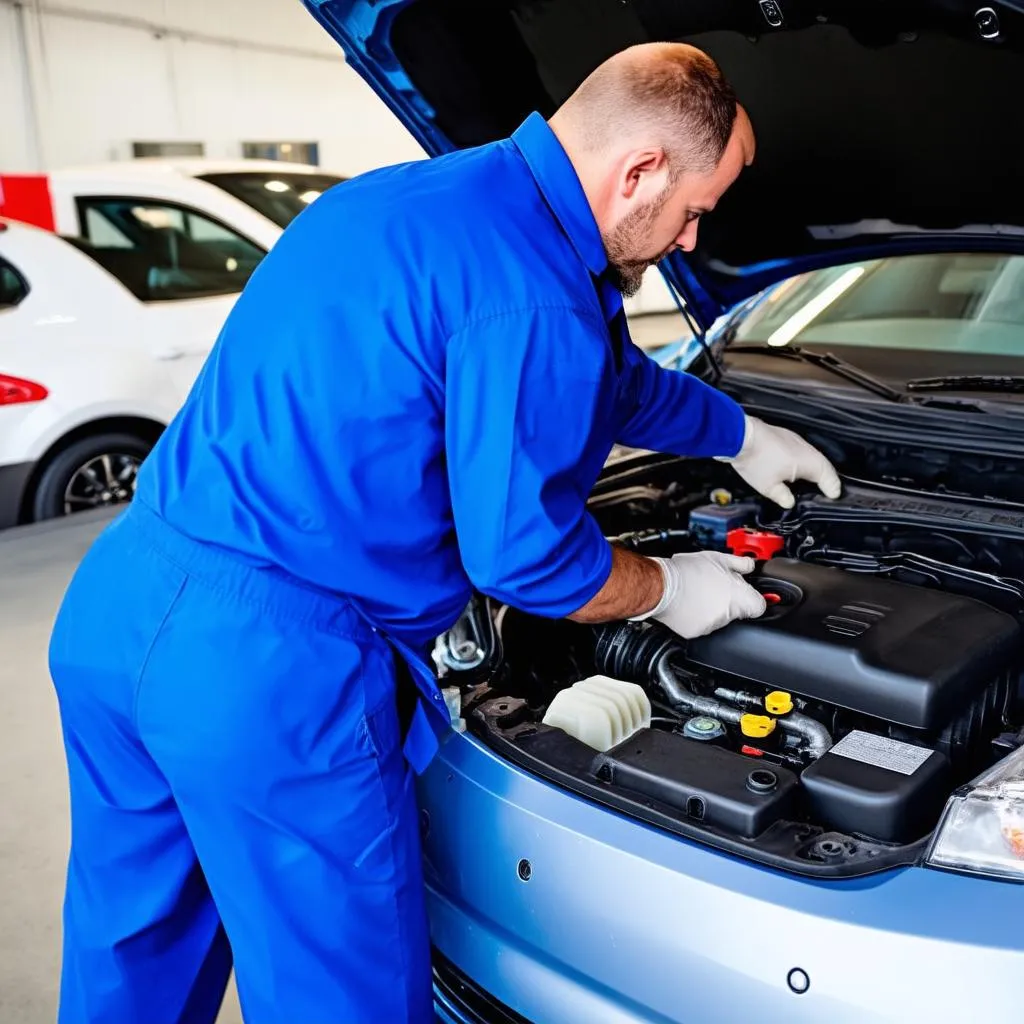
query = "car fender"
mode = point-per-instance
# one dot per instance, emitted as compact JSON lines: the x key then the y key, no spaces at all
{"x":61,"y":423}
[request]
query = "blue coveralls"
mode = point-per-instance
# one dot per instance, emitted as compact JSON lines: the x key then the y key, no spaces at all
{"x":414,"y":394}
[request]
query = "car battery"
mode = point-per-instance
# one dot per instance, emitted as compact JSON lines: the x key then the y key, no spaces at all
{"x":879,"y":787}
{"x":710,"y":525}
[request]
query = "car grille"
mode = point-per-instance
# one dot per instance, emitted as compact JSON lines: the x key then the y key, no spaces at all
{"x":467,"y":1001}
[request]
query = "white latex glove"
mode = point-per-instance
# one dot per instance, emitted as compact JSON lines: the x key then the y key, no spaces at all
{"x":704,"y":591}
{"x":772,"y":457}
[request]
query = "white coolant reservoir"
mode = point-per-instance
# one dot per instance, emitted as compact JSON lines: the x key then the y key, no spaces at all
{"x":600,"y":711}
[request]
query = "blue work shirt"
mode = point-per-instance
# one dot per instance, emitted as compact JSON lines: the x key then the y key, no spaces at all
{"x":417,"y":390}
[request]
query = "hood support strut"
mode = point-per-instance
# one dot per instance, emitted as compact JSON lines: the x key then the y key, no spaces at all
{"x":698,"y":330}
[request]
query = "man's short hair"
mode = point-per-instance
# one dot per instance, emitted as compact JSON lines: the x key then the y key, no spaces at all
{"x":676,"y":93}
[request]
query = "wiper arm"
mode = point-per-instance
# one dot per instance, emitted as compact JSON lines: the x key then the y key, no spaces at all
{"x":968,"y":382}
{"x":832,"y":364}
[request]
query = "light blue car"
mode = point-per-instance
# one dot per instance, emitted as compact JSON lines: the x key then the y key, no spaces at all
{"x":817,"y":815}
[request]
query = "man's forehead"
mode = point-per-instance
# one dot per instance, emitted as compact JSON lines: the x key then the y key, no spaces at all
{"x":744,"y":131}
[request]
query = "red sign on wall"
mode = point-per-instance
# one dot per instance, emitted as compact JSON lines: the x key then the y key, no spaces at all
{"x":26,"y":197}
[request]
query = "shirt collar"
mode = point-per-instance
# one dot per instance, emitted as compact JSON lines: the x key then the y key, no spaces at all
{"x":557,"y":180}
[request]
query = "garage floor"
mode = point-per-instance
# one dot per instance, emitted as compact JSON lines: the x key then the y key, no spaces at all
{"x":35,"y":565}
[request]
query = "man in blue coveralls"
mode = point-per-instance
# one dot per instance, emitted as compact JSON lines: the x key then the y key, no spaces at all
{"x":412,"y":397}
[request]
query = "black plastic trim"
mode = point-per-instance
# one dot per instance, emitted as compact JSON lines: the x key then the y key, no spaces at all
{"x":14,"y":480}
{"x":456,"y":992}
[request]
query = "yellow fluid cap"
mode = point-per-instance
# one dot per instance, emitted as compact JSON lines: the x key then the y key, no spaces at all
{"x":720,"y":496}
{"x":757,"y":726}
{"x":778,"y":702}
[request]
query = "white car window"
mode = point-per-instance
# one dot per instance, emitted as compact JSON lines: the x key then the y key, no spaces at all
{"x":100,"y":231}
{"x":13,"y":287}
{"x":204,"y":230}
{"x":279,"y":196}
{"x":162,"y":251}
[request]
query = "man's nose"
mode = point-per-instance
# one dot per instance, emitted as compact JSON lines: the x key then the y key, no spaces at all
{"x":687,"y":238}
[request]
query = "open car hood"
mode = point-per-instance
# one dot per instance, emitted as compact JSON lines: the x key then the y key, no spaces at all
{"x":883,"y":126}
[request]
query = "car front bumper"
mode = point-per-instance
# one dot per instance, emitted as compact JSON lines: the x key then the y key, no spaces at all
{"x":459,"y":1000}
{"x":619,"y":922}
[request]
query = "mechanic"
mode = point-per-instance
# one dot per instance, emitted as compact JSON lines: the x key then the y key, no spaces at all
{"x":413,"y":396}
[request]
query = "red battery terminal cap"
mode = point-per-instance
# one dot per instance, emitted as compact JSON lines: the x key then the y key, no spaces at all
{"x":757,"y":544}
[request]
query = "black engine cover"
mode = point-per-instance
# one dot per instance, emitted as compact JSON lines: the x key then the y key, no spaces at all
{"x":905,"y":654}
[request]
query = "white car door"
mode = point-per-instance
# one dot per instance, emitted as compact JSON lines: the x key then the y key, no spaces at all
{"x":180,"y":333}
{"x":185,"y":266}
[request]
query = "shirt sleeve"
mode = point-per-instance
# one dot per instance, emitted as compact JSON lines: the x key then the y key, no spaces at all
{"x":671,"y":411}
{"x":526,"y":397}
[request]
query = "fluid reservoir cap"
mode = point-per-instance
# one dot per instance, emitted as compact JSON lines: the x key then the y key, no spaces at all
{"x":703,"y":728}
{"x":763,"y":780}
{"x":757,"y":544}
{"x":778,"y":702}
{"x":757,"y":726}
{"x":720,"y":496}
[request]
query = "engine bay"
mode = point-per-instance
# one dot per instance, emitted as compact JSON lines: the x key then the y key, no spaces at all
{"x":824,"y":737}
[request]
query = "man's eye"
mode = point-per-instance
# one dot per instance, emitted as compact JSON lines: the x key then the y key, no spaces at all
{"x":691,"y":216}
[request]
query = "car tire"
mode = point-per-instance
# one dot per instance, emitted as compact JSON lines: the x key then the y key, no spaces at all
{"x":93,"y":472}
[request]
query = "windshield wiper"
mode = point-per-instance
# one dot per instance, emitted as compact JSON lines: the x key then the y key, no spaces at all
{"x":968,"y":382}
{"x":830,"y":363}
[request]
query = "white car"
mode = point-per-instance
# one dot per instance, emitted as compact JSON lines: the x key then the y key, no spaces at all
{"x":256,"y":199}
{"x":102,"y":335}
{"x":95,"y":362}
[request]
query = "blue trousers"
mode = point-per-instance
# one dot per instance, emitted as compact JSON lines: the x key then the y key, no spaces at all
{"x":238,"y":794}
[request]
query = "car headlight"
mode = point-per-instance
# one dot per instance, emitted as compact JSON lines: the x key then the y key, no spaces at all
{"x":982,"y":827}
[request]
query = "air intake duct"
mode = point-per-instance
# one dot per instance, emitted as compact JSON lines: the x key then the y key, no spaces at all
{"x":633,"y":650}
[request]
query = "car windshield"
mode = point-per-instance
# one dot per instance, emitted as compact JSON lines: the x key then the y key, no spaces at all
{"x":943,"y":303}
{"x":280,"y":197}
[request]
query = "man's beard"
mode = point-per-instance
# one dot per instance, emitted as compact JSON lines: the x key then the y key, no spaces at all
{"x":623,"y":242}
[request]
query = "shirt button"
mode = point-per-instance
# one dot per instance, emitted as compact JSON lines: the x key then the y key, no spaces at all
{"x":438,"y":697}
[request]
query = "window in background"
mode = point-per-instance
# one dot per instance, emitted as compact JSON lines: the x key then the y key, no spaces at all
{"x":144,"y":149}
{"x":293,"y":152}
{"x":164,"y":251}
{"x":12,"y":286}
{"x":279,"y":197}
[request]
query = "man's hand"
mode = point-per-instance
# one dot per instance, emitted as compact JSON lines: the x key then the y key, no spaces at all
{"x":772,"y":457}
{"x":704,"y":591}
{"x":692,"y":594}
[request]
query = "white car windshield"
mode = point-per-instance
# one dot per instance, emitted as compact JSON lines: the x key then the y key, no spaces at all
{"x":280,"y":197}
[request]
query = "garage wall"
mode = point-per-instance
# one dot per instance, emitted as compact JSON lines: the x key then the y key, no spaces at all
{"x":81,"y":79}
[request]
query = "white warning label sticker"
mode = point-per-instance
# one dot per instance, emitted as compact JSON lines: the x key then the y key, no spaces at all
{"x":882,"y":752}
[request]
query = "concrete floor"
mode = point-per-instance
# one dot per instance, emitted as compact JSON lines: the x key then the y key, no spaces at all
{"x":35,"y":566}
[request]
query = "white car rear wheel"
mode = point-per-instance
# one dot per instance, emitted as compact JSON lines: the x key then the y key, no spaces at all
{"x":91,"y":473}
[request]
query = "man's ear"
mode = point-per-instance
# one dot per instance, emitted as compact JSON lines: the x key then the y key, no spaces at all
{"x":640,"y":167}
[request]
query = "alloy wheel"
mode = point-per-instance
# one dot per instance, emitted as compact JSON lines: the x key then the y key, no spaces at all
{"x":107,"y":479}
